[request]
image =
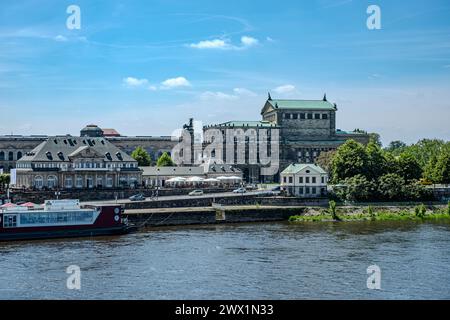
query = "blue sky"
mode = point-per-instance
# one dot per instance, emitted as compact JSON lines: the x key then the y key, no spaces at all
{"x":145,"y":67}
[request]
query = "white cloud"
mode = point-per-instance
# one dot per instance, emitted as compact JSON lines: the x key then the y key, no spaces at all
{"x":208,"y":95}
{"x":175,"y":83}
{"x":249,"y":41}
{"x":60,"y":38}
{"x":287,"y":88}
{"x":244,"y":92}
{"x":210,"y":44}
{"x":134,"y":82}
{"x":218,"y":95}
{"x":246,"y":42}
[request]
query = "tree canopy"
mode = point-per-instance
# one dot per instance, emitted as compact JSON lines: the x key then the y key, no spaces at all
{"x":165,"y":161}
{"x":141,"y":156}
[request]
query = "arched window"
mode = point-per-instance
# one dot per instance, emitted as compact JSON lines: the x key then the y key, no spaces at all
{"x":38,"y":182}
{"x":2,"y":156}
{"x":19,"y":155}
{"x":51,"y":181}
{"x":11,"y":156}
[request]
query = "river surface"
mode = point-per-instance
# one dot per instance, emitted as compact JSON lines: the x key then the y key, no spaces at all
{"x":237,"y":261}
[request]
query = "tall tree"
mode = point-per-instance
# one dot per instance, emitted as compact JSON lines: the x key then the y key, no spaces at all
{"x":442,"y":170}
{"x":141,"y":156}
{"x":325,"y":158}
{"x":376,"y":162}
{"x":350,"y":160}
{"x":429,"y":171}
{"x":396,"y":146}
{"x":375,"y":137}
{"x":165,"y":161}
{"x":408,"y":168}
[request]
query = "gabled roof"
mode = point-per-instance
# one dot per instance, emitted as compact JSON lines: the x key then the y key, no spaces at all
{"x":285,"y":104}
{"x":60,"y":148}
{"x":297,"y":167}
{"x":301,"y":104}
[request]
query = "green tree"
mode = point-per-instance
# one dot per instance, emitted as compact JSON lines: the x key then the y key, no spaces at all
{"x":429,"y":171}
{"x":165,"y":161}
{"x":442,"y":170}
{"x":325,"y":158}
{"x":408,"y":167}
{"x":357,"y":188}
{"x":5,"y":180}
{"x":390,"y":186}
{"x":349,"y":160}
{"x":141,"y":156}
{"x":376,"y":162}
{"x":396,"y":146}
{"x":375,"y":138}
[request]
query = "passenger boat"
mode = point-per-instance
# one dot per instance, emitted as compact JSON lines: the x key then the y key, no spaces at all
{"x":61,"y":219}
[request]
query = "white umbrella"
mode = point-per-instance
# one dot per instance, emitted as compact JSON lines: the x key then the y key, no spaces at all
{"x":211,"y":180}
{"x":195,"y":179}
{"x":176,"y":179}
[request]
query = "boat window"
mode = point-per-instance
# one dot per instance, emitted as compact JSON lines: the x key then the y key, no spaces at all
{"x":9,"y":221}
{"x":70,"y":217}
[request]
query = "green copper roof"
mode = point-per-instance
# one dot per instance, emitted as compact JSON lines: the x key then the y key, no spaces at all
{"x":302,"y":104}
{"x":297,"y":167}
{"x":247,"y":124}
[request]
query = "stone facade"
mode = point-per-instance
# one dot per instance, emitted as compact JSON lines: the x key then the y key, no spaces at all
{"x":304,"y":180}
{"x":65,"y":162}
{"x":306,"y":128}
{"x":13,"y":147}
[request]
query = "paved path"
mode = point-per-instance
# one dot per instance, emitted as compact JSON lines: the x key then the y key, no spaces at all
{"x":178,"y":197}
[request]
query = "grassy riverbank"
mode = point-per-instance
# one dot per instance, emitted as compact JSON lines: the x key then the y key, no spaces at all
{"x":419,"y":213}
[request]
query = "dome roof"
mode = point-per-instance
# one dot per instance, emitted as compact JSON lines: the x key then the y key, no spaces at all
{"x":91,"y":130}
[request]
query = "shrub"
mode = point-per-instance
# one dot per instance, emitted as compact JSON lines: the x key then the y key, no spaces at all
{"x":420,"y":211}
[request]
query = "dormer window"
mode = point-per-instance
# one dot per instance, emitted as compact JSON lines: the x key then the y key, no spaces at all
{"x":49,"y":155}
{"x":119,"y":156}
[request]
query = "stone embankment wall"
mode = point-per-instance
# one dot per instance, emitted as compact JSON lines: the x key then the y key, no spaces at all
{"x":212,"y":216}
{"x":244,"y":199}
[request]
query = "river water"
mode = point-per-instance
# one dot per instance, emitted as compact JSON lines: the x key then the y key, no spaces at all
{"x":237,"y":261}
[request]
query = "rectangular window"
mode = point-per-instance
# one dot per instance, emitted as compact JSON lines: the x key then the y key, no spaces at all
{"x":324,"y":116}
{"x":290,"y":179}
{"x":313,"y":189}
{"x":300,"y":179}
{"x":313,"y":179}
{"x":317,"y":116}
{"x":9,"y":221}
{"x":310,"y":115}
{"x":323,"y":179}
{"x":284,"y":179}
{"x":295,"y":116}
{"x":287,"y":115}
{"x":307,"y":179}
{"x":302,"y":116}
{"x":307,"y":190}
{"x":300,"y":190}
